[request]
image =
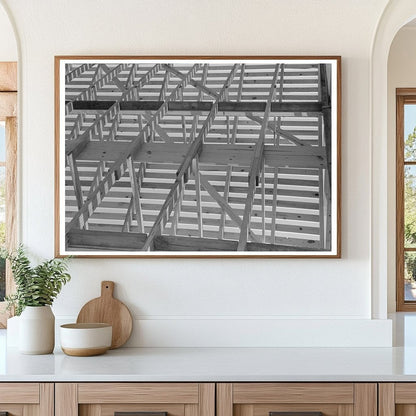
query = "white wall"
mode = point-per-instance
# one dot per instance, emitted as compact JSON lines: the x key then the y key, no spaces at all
{"x":8,"y":47}
{"x":401,"y":74}
{"x":284,"y":296}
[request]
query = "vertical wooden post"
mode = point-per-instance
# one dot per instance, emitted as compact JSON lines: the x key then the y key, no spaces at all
{"x":224,"y":399}
{"x":11,"y":182}
{"x":365,"y":399}
{"x":47,"y":399}
{"x":386,"y":399}
{"x":66,"y":399}
{"x":207,"y":399}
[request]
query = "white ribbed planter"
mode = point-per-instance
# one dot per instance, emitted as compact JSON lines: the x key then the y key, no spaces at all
{"x":37,"y":330}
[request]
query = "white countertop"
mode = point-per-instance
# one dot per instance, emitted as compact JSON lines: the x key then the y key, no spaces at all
{"x":216,"y":364}
{"x":222,"y":364}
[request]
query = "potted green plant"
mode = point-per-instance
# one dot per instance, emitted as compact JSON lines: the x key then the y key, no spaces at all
{"x":36,"y":289}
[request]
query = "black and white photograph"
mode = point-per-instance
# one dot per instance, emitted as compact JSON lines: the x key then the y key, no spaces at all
{"x":179,"y":156}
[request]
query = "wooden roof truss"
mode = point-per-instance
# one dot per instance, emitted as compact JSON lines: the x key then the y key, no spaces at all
{"x":207,"y":157}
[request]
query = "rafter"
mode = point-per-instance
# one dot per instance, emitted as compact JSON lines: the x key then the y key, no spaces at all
{"x":256,"y":165}
{"x":115,"y":79}
{"x":194,"y":83}
{"x":275,"y":129}
{"x":326,"y":113}
{"x":225,"y":206}
{"x":137,"y":206}
{"x":119,"y":167}
{"x":183,"y":171}
{"x":75,"y":73}
{"x":77,"y":145}
{"x":239,"y":94}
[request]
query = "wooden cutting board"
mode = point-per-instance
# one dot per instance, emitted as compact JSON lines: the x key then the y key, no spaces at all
{"x":108,"y":310}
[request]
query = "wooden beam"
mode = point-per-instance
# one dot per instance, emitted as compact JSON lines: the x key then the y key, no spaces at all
{"x":322,"y":219}
{"x":119,"y":166}
{"x":231,"y":108}
{"x":159,"y":130}
{"x":104,"y":240}
{"x":164,"y":87}
{"x":303,"y":245}
{"x":179,"y":243}
{"x":225,"y":206}
{"x":75,"y":180}
{"x":114,"y":80}
{"x":226,"y":193}
{"x":274,"y":205}
{"x":256,"y":165}
{"x":198,"y":198}
{"x":75,"y":73}
{"x":93,"y":88}
{"x":275,"y":129}
{"x":197,"y":84}
{"x":8,"y":76}
{"x":177,"y":210}
{"x":217,"y":154}
{"x":8,"y":105}
{"x":78,"y":144}
{"x":183,"y":171}
{"x":137,"y":208}
{"x":326,"y":112}
{"x":239,"y":94}
{"x":129,"y":217}
{"x":94,"y":106}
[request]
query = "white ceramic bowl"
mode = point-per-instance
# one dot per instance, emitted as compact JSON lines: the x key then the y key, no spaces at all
{"x":84,"y":340}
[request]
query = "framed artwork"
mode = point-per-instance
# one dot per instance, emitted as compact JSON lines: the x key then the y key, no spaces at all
{"x":198,"y":156}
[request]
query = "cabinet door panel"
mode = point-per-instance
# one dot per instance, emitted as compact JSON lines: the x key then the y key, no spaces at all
{"x":110,"y":409}
{"x":265,"y":409}
{"x":27,"y":399}
{"x":328,"y":399}
{"x":105,"y":399}
{"x":19,"y":393}
{"x":293,"y":393}
{"x":397,"y":399}
{"x":138,"y":393}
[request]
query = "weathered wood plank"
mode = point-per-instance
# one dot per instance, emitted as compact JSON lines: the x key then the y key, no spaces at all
{"x":189,"y":107}
{"x":217,"y":154}
{"x":104,"y":240}
{"x":257,"y":164}
{"x":8,"y":105}
{"x":8,"y":76}
{"x":178,"y":243}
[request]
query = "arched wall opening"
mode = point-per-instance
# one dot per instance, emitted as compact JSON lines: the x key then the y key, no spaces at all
{"x":396,"y":15}
{"x":401,"y":74}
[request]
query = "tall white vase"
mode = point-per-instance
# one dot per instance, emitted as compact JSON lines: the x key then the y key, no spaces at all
{"x":37,"y":330}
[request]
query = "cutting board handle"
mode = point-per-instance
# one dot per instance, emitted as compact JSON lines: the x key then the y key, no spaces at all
{"x":107,"y":288}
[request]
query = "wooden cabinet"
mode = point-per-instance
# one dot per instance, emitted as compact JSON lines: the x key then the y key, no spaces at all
{"x":297,"y":399}
{"x":208,"y":399}
{"x":27,"y":399}
{"x":397,"y":399}
{"x":155,"y":399}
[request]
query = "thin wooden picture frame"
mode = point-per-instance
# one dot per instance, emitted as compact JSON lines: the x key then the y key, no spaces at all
{"x":404,"y":96}
{"x":198,"y":157}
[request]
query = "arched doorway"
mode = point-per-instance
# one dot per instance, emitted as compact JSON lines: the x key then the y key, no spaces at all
{"x":396,"y":15}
